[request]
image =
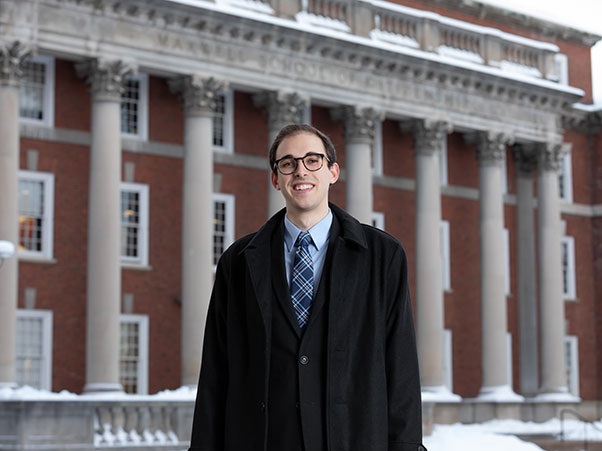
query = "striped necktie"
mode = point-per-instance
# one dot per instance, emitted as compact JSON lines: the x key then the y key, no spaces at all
{"x":302,"y":280}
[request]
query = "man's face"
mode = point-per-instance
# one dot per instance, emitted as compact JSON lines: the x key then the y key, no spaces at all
{"x":305,"y":191}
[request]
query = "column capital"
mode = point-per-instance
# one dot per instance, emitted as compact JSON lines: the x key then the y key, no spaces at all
{"x":12,"y":57}
{"x":198,"y":93}
{"x":105,"y":77}
{"x":283,"y":107}
{"x":429,"y":135}
{"x":550,"y":154}
{"x":359,"y":122}
{"x":525,"y":157}
{"x":491,"y":146}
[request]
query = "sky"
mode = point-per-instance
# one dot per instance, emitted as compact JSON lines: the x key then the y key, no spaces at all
{"x":584,"y":15}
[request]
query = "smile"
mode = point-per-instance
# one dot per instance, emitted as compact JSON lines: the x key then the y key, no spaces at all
{"x":303,"y":187}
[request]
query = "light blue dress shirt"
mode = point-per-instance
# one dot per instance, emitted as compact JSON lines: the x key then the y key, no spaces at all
{"x":319,"y":235}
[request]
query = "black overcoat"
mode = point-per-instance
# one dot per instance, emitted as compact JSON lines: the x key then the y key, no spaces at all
{"x":372,"y":384}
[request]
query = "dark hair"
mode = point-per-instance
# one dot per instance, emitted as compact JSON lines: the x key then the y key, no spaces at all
{"x":294,"y":129}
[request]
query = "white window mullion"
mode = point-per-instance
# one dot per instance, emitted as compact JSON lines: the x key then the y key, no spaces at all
{"x":34,"y":348}
{"x":223,"y":221}
{"x":134,"y":223}
{"x":36,"y":214}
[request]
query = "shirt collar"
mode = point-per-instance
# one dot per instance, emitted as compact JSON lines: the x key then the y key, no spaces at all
{"x":319,"y":232}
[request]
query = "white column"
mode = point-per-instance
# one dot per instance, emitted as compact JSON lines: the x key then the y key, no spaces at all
{"x":551,"y":302}
{"x":11,"y":59}
{"x":525,"y":163}
{"x":197,"y":216}
{"x":491,"y":151}
{"x":359,"y":137}
{"x":429,"y":138}
{"x":283,"y":108}
{"x":104,"y":226}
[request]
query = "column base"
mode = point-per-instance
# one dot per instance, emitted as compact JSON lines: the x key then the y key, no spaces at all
{"x":560,"y":394}
{"x":499,"y":393}
{"x":100,"y":388}
{"x":439,"y":394}
{"x":8,"y":385}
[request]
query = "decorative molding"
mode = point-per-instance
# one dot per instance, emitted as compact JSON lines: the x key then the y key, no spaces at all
{"x":105,"y":77}
{"x":12,"y":58}
{"x":429,"y":135}
{"x":359,"y":122}
{"x":490,"y":146}
{"x":549,"y":156}
{"x":198,"y":93}
{"x":525,"y":157}
{"x":283,"y":107}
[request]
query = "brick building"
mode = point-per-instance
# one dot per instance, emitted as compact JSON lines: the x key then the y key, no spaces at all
{"x":133,"y":150}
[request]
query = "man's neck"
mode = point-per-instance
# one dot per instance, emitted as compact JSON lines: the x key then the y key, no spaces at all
{"x":306,"y":220}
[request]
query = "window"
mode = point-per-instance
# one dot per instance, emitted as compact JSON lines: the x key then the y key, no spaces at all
{"x":378,"y":220}
{"x":448,"y":369}
{"x":134,"y":107}
{"x":134,"y":223}
{"x":507,"y":261}
{"x":133,"y":354}
{"x":571,"y":348}
{"x":445,"y":255}
{"x":565,"y":178}
{"x":36,"y":92}
{"x":34,"y":348}
{"x":509,"y":377}
{"x":223,"y":123}
{"x":562,"y":68}
{"x":443,"y":163}
{"x":568,"y":267}
{"x":377,"y":149}
{"x":223,"y":223}
{"x":36,"y":211}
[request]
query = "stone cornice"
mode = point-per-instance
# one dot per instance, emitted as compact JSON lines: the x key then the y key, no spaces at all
{"x":169,"y":39}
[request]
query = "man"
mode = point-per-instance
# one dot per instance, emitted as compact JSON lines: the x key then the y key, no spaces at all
{"x":309,"y":343}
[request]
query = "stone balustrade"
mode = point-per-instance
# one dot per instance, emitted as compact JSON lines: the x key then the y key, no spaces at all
{"x":84,"y":424}
{"x":424,"y":30}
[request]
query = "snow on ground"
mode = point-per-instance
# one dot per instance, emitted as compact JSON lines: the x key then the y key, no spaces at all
{"x":497,"y":435}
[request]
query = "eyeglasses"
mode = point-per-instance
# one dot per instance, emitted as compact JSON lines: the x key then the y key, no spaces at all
{"x":311,"y":161}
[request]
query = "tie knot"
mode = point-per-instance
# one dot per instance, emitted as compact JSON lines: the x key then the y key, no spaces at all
{"x":303,"y":240}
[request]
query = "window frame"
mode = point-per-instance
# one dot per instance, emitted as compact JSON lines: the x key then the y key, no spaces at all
{"x":571,"y":343}
{"x":378,"y":220}
{"x":569,"y":292}
{"x":142,"y":113}
{"x":448,"y":359}
{"x":377,"y":149}
{"x":228,"y":124}
{"x":507,"y":276}
{"x":143,"y":225}
{"x":46,"y":317}
{"x":443,"y":172}
{"x":445,"y":255}
{"x":565,"y":178}
{"x":142,"y":367}
{"x":229,"y":201}
{"x":47,"y":179}
{"x":48,"y":96}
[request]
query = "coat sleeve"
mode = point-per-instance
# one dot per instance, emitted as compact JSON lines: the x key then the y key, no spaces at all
{"x":208,"y":427}
{"x":403,"y":380}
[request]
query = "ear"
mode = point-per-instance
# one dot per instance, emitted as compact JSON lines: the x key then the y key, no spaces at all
{"x":334,"y":172}
{"x":274,"y":179}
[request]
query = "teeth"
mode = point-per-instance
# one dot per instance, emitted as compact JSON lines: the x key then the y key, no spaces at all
{"x":302,"y":187}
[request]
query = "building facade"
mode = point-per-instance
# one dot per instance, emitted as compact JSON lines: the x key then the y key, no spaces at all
{"x":133,"y":151}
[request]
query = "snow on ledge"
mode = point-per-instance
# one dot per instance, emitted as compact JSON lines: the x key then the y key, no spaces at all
{"x":502,"y":393}
{"x":27,"y":393}
{"x":439,"y":394}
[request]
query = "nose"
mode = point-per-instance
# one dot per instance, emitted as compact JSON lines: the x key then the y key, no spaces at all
{"x":300,"y":168}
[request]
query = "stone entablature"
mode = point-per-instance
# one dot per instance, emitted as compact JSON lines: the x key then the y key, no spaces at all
{"x":405,"y":62}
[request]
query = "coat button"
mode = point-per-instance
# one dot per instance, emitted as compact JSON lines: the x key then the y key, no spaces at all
{"x":262,"y":405}
{"x":303,"y":360}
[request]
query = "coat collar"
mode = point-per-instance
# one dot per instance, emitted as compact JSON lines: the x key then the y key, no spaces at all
{"x":351,"y":230}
